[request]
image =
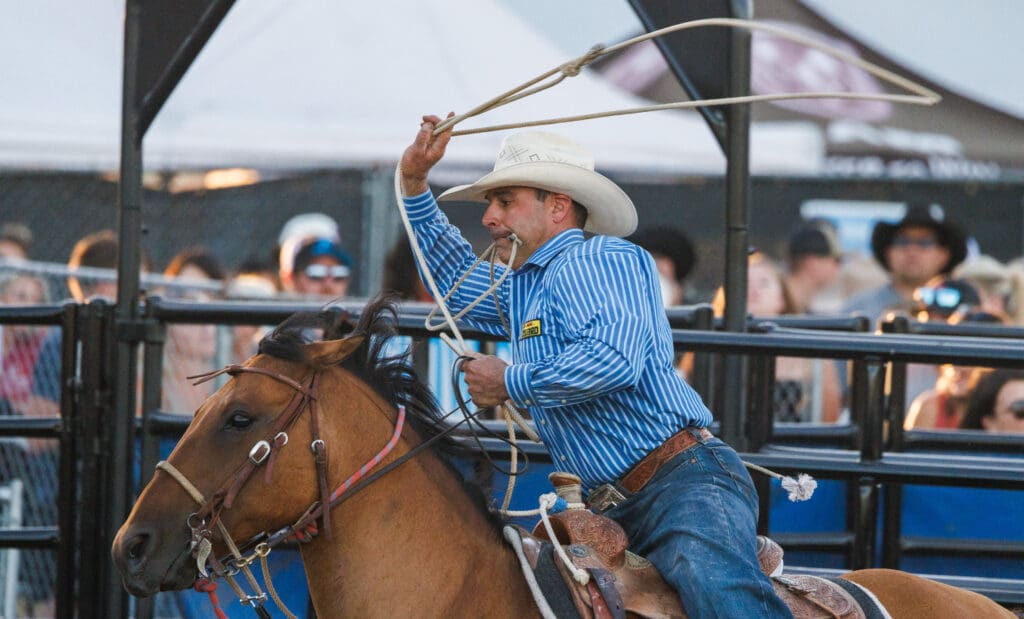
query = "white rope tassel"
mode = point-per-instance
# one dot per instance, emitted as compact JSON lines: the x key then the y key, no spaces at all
{"x":800,"y":489}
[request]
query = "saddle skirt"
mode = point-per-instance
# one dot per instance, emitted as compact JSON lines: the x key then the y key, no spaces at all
{"x":624,"y":583}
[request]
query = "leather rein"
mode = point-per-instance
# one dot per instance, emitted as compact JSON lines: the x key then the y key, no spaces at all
{"x":201,"y":523}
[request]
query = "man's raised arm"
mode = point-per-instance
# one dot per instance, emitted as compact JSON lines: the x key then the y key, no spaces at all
{"x":425,"y":151}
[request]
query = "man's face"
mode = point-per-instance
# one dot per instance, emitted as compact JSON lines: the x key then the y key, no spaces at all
{"x":517,"y":209}
{"x":823,"y":270}
{"x":1008,"y":415}
{"x":915,"y":256}
{"x":11,"y":250}
{"x":765,"y":296}
{"x":324,"y":277}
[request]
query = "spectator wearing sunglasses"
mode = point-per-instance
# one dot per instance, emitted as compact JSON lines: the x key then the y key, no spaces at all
{"x":945,"y":300}
{"x":916,"y":249}
{"x":322,"y":268}
{"x":996,"y":403}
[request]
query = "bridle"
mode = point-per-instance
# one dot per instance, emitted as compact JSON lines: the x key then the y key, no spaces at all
{"x":264,"y":451}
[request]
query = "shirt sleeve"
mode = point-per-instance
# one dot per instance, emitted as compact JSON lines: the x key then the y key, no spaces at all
{"x":602,"y":303}
{"x":449,"y":256}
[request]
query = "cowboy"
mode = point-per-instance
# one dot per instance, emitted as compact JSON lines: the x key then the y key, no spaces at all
{"x":592,"y":361}
{"x":914,"y":250}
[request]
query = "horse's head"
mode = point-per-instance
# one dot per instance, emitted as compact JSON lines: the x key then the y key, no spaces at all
{"x":247,"y":454}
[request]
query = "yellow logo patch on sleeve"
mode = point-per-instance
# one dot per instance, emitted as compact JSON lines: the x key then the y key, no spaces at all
{"x":530,"y":329}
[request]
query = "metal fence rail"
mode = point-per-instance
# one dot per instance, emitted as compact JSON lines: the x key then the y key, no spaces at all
{"x":45,"y":532}
{"x":873,"y":460}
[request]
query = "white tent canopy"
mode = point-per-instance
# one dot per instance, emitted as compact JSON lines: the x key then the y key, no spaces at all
{"x":319,"y":83}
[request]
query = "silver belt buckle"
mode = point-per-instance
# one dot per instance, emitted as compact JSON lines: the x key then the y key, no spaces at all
{"x":605,"y":497}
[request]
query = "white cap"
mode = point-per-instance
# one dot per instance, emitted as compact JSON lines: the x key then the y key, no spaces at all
{"x":309,"y":225}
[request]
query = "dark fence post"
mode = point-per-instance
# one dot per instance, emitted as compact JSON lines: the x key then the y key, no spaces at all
{"x":892,"y":507}
{"x":67,"y":501}
{"x":152,"y":391}
{"x":94,"y":404}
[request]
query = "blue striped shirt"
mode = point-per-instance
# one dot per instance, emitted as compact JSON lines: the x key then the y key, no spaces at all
{"x":591,"y":346}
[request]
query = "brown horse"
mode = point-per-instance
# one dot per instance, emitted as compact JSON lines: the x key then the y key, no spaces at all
{"x":418,"y":542}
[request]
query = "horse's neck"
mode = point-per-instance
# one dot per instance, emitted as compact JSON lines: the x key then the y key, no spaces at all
{"x":413,"y":544}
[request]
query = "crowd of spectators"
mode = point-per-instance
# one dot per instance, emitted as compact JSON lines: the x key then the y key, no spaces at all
{"x":919,"y":267}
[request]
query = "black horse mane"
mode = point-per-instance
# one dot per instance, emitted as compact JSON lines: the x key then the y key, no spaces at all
{"x":388,"y":373}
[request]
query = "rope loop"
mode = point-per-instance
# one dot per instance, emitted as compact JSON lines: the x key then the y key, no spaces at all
{"x":573,"y":67}
{"x":916,"y":93}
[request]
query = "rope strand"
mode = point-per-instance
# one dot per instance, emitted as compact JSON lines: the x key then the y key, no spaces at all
{"x":920,"y":95}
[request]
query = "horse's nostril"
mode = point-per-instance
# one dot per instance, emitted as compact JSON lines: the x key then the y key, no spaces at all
{"x":137,"y":548}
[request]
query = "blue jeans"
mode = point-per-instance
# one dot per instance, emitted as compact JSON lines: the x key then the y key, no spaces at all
{"x":696,"y":521}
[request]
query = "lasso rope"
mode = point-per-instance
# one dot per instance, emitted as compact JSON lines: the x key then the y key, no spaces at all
{"x":548,"y":501}
{"x":920,"y":94}
{"x":458,"y":345}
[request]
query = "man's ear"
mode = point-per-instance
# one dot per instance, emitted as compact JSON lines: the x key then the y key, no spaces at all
{"x":561,"y":207}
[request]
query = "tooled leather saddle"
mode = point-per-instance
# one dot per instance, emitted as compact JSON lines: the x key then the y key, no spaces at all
{"x":623,"y":584}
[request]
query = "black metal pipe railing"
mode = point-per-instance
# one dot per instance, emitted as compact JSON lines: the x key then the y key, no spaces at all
{"x":44,"y":315}
{"x":60,"y":538}
{"x":864,"y":457}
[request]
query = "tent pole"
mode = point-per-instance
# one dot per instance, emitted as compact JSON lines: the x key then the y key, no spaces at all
{"x":737,"y":194}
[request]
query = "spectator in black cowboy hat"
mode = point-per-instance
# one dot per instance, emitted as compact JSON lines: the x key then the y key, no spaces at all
{"x":922,"y":245}
{"x":914,"y":251}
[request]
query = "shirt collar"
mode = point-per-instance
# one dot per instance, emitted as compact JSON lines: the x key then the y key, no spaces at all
{"x":554,"y":246}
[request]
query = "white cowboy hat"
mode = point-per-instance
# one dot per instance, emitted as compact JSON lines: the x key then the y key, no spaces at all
{"x":554,"y":163}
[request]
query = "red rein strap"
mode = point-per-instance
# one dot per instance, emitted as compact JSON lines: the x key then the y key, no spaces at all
{"x":305,"y":528}
{"x":399,"y":424}
{"x":207,"y":586}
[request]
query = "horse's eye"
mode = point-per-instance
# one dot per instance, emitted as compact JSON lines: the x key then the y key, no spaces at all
{"x":238,"y":421}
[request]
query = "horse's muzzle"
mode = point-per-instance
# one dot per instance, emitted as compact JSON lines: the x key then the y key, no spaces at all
{"x":147,"y":565}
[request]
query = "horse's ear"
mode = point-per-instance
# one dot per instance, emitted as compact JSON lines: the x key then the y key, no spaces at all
{"x":332,"y":352}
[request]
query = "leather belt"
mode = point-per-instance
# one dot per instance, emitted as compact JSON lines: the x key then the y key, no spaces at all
{"x":642,"y":472}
